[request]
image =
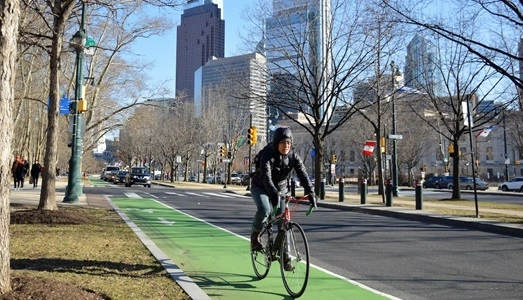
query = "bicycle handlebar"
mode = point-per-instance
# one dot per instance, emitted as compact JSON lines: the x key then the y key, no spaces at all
{"x":289,"y":198}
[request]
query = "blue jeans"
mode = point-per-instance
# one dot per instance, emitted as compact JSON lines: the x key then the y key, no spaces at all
{"x":263,"y":207}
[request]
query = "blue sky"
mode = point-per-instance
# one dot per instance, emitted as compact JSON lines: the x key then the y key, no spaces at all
{"x":161,"y":51}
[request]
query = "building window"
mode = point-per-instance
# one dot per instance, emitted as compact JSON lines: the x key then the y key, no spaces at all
{"x":489,"y":153}
{"x":352,"y":155}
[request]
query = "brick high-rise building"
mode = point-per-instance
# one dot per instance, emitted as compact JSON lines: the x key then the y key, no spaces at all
{"x":200,"y":36}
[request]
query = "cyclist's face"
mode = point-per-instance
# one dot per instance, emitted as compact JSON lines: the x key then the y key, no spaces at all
{"x":284,"y":147}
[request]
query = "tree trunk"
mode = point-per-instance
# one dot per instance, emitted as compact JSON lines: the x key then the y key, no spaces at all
{"x":48,"y":193}
{"x":9,"y":18}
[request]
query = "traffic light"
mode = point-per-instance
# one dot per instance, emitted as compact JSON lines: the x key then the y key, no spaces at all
{"x":451,"y":150}
{"x":252,"y":135}
{"x":516,"y":162}
{"x":423,"y":168}
{"x":229,"y":154}
{"x":334,"y":158}
{"x":383,"y":145}
{"x":223,"y":151}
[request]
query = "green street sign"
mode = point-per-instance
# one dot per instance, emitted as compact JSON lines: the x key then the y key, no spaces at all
{"x":90,"y":43}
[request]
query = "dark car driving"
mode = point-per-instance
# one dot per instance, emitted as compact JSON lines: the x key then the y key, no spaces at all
{"x":120,"y":177}
{"x":138,"y":175}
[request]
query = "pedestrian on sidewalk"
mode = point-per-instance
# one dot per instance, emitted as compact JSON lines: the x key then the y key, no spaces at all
{"x":18,"y":172}
{"x":35,"y":173}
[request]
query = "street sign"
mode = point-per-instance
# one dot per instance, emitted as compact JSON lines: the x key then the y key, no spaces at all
{"x":226,"y":160}
{"x":467,"y":114}
{"x":395,"y":136}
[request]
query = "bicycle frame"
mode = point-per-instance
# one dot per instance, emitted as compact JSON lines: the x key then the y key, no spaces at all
{"x":290,"y":247}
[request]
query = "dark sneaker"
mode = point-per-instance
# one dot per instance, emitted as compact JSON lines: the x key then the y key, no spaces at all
{"x":288,"y":266}
{"x":256,"y":246}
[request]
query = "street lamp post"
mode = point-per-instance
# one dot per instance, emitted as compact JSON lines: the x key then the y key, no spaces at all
{"x":74,"y":187}
{"x":395,"y":191}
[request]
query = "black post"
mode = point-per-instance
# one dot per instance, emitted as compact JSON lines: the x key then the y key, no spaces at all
{"x":388,"y":193}
{"x":363,"y":191}
{"x":342,"y":189}
{"x":505,"y":144}
{"x":322,"y":189}
{"x":419,"y":195}
{"x":293,"y":187}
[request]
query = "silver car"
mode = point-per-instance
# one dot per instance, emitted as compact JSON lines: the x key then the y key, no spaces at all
{"x":514,"y":184}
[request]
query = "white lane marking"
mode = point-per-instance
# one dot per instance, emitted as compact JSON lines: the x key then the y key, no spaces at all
{"x":196,"y":194}
{"x":164,"y":221}
{"x":132,"y":195}
{"x":175,"y":194}
{"x":218,"y":195}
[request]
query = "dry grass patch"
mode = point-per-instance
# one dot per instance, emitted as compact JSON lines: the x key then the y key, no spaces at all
{"x":91,"y":250}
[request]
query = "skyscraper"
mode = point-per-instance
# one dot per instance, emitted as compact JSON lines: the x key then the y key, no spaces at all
{"x":239,"y":79}
{"x":295,"y":45}
{"x":421,"y":66}
{"x":199,"y":37}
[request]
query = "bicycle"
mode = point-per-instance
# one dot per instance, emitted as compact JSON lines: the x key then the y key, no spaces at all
{"x":290,"y":244}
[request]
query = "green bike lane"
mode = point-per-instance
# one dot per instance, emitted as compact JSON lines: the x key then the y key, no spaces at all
{"x":219,"y":262}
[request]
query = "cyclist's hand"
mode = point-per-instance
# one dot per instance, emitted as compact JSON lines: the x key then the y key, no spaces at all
{"x":312,"y":200}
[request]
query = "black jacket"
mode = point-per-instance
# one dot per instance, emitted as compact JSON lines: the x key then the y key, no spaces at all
{"x":275,"y":168}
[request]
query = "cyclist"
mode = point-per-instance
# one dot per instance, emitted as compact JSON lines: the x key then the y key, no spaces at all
{"x":270,"y":180}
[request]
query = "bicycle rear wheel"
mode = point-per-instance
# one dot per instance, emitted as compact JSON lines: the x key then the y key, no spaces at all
{"x":294,"y":260}
{"x":261,"y":260}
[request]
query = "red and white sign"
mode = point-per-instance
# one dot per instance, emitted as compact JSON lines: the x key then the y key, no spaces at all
{"x":369,"y":148}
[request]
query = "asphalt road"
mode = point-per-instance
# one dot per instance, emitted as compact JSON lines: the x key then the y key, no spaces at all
{"x":406,"y":259}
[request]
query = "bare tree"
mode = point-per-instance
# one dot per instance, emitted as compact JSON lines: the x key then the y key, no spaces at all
{"x":501,"y":19}
{"x":321,"y":57}
{"x":9,"y":18}
{"x":464,"y":80}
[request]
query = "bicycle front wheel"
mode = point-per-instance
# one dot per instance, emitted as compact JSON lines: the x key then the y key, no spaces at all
{"x":294,"y":260}
{"x":261,"y":260}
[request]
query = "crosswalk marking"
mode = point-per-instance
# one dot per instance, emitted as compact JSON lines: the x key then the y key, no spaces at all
{"x":132,"y":195}
{"x":175,"y":194}
{"x":218,"y":195}
{"x":196,"y":194}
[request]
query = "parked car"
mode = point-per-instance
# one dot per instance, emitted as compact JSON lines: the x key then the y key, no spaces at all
{"x":138,"y":175}
{"x":432,"y":182}
{"x":106,"y":172}
{"x":192,"y":179}
{"x":120,"y":177}
{"x":514,"y":184}
{"x":444,"y":182}
{"x":467,"y":183}
{"x":235,"y":178}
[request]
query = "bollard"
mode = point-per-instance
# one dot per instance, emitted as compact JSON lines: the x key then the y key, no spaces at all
{"x":293,"y":187}
{"x":419,"y":195}
{"x":363,"y":191}
{"x":388,"y":193}
{"x":322,"y":188}
{"x":342,"y":189}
